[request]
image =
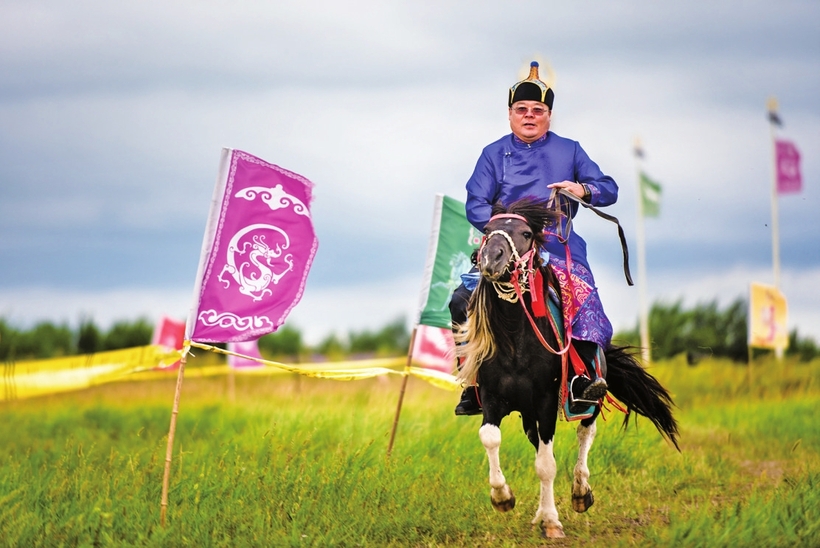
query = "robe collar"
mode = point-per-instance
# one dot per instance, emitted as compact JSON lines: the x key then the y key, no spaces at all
{"x":537,"y":142}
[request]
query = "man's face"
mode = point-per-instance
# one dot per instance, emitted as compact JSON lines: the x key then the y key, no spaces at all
{"x":529,"y":120}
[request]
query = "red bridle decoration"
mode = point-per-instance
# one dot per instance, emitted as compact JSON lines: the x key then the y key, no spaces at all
{"x":524,"y":265}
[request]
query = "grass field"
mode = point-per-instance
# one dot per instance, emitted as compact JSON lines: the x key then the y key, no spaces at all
{"x":301,"y":462}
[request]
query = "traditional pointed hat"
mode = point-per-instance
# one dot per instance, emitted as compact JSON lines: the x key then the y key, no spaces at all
{"x":532,"y":89}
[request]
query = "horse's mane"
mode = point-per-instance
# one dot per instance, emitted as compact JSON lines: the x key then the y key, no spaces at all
{"x":538,"y":212}
{"x":485,"y":330}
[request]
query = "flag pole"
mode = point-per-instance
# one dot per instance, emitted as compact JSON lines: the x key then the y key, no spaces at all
{"x":772,"y":106}
{"x":207,"y":244}
{"x":169,"y":450}
{"x":402,"y":391}
{"x":643,"y":321}
{"x":428,"y":274}
{"x":773,"y":116}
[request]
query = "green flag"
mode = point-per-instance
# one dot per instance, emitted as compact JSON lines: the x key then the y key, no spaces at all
{"x":452,"y":241}
{"x":650,"y":196}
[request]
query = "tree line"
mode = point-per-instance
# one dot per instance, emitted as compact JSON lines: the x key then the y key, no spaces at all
{"x":49,"y":340}
{"x":704,"y":330}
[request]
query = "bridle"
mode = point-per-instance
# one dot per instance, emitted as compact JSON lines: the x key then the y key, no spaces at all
{"x":522,"y":265}
{"x":524,"y":277}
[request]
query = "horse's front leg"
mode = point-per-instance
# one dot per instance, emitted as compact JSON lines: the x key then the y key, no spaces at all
{"x":582,"y":497}
{"x":500,"y":493}
{"x":547,"y":513}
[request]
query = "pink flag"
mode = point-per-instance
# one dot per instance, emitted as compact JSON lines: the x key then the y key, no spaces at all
{"x":169,"y":333}
{"x":788,"y":167}
{"x":246,"y":348}
{"x":258,"y":247}
{"x":434,"y":348}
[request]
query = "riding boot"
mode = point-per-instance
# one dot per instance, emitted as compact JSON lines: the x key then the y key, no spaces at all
{"x":588,"y":389}
{"x":469,"y":402}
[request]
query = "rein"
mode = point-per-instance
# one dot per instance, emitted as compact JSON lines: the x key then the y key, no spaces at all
{"x":538,"y":334}
{"x":602,"y":215}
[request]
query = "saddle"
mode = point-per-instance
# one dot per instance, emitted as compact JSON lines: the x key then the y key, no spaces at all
{"x":573,"y":360}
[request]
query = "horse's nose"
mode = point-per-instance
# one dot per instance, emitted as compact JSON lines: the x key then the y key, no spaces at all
{"x":492,"y":261}
{"x":489,"y":256}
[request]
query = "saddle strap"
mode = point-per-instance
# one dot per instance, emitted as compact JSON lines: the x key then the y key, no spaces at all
{"x":609,"y":218}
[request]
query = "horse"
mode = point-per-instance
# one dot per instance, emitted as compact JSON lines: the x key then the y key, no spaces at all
{"x":516,"y":359}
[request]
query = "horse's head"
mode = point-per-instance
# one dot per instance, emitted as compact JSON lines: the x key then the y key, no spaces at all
{"x":511,"y":234}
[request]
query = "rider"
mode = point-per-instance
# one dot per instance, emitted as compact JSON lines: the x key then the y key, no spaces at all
{"x":533,"y":161}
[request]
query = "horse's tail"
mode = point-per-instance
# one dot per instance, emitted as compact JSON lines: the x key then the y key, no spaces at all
{"x":640,"y":391}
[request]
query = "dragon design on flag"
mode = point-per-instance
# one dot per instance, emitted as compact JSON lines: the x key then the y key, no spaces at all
{"x":255,"y":274}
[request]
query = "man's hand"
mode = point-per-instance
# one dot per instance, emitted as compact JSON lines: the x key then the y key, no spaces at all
{"x":570,"y":186}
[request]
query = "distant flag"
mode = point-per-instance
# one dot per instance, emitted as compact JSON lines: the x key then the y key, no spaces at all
{"x":258,"y":247}
{"x":650,"y":196}
{"x":768,"y":313}
{"x":788,"y":167}
{"x":169,"y":334}
{"x":452,"y":241}
{"x":246,"y":348}
{"x":638,"y":148}
{"x":433,"y":348}
{"x":774,"y":117}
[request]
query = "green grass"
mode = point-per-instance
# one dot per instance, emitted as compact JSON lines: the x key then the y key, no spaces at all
{"x":301,"y":462}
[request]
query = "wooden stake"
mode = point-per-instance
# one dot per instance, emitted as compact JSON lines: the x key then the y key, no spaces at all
{"x":401,"y":393}
{"x":169,"y":451}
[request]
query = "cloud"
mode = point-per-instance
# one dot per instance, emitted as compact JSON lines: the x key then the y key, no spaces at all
{"x":114,"y":115}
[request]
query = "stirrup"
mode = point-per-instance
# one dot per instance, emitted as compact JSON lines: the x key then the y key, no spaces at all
{"x":592,"y":394}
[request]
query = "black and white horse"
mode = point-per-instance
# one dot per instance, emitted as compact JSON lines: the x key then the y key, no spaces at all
{"x":515,"y":357}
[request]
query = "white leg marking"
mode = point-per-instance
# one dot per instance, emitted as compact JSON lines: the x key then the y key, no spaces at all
{"x":490,"y":436}
{"x":546,"y":470}
{"x":586,"y":435}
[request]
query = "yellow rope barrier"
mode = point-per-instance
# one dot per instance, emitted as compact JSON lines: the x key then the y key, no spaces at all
{"x":28,"y":379}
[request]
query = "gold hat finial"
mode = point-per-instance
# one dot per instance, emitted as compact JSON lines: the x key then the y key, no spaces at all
{"x":533,"y":71}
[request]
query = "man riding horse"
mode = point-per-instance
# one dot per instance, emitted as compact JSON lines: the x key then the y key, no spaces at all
{"x":533,"y":161}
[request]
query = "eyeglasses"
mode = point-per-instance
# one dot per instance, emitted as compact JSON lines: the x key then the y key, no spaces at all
{"x":536,"y":111}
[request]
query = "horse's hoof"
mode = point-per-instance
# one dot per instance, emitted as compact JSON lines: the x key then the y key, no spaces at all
{"x":504,"y":505}
{"x":552,"y":531}
{"x":582,"y":503}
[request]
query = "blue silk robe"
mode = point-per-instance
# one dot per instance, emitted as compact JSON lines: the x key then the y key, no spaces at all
{"x":510,"y":169}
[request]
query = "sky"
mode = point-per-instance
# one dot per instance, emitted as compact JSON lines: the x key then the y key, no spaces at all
{"x":113,"y":115}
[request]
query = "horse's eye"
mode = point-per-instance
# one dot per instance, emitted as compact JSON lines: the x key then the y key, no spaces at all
{"x":528,"y":235}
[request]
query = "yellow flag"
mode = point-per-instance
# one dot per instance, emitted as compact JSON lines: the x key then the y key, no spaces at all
{"x":768,"y":314}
